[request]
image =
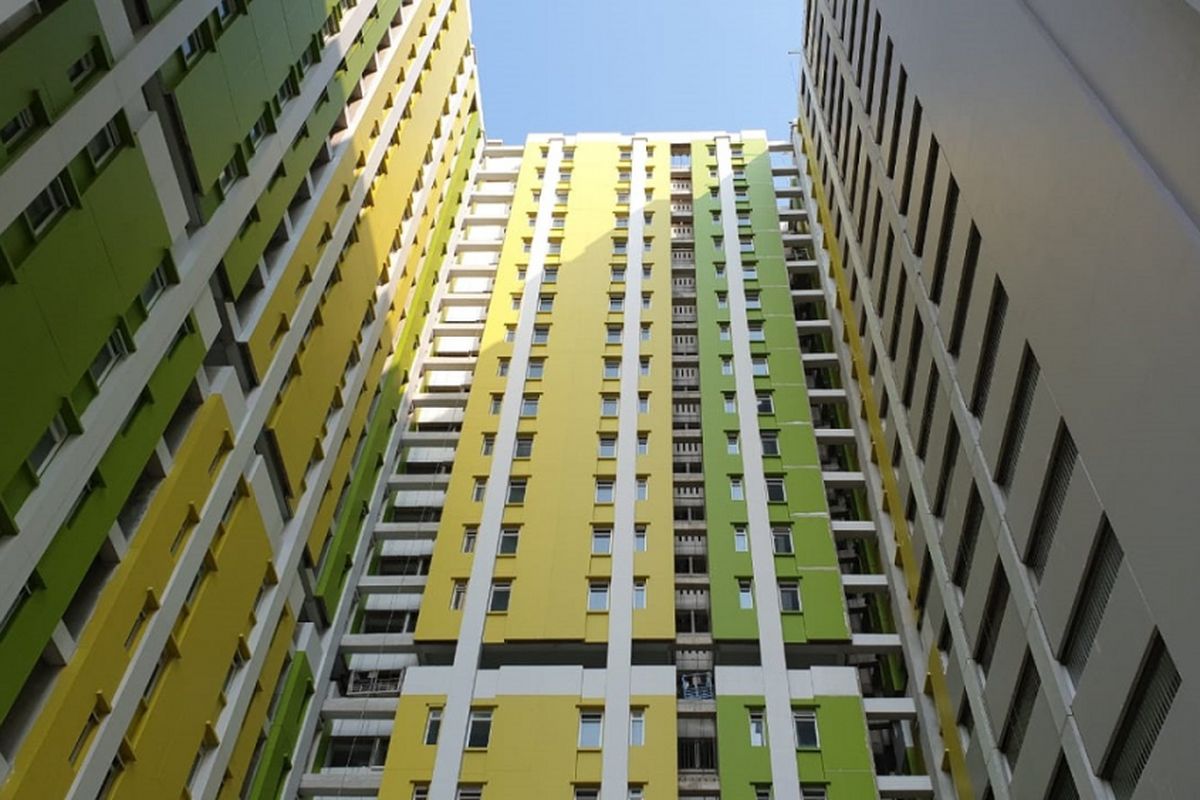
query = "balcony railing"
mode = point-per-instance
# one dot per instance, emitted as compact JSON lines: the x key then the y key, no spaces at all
{"x":697,"y":754}
{"x":696,"y":686}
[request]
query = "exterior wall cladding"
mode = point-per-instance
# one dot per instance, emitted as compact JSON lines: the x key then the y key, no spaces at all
{"x":1011,"y":216}
{"x":348,"y":454}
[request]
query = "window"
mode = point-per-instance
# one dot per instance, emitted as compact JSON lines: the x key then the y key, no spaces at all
{"x":587,"y":794}
{"x":604,"y":490}
{"x":156,"y":284}
{"x":758,"y":366}
{"x":608,"y":447}
{"x":502,"y":368}
{"x":524,"y":446}
{"x":545,"y":303}
{"x":529,"y":405}
{"x":722,"y":300}
{"x":736,"y":492}
{"x":745,"y":594}
{"x":1097,"y":586}
{"x":645,"y":333}
{"x":498,"y":601}
{"x":723,"y":332}
{"x":646,"y":301}
{"x":741,"y":540}
{"x":1018,"y":418}
{"x":781,"y":540}
{"x":477,"y":490}
{"x":228,"y":176}
{"x":550,"y":276}
{"x":992,"y":331}
{"x":639,"y":594}
{"x":598,"y":596}
{"x":494,"y":404}
{"x":591,"y":729}
{"x":114,"y":350}
{"x":726,"y":365}
{"x":536,"y":369}
{"x":731,"y":444}
{"x":637,"y":726}
{"x":616,"y":303}
{"x":618,"y":274}
{"x":644,"y":367}
{"x":48,"y":445}
{"x":753,"y":301}
{"x":104,"y":144}
{"x":1020,"y":711}
{"x":643,"y":488}
{"x":770,"y":443}
{"x":643,"y":444}
{"x":479,"y":728}
{"x":516,"y":490}
{"x":541,"y":334}
{"x":806,"y":730}
{"x":433,"y":724}
{"x":775,"y":490}
{"x":259,"y":131}
{"x":50,"y":203}
{"x":993,"y":616}
{"x":758,"y":729}
{"x":458,"y":595}
{"x":18,"y":127}
{"x":608,"y":405}
{"x":469,"y":792}
{"x":766,"y":403}
{"x":643,"y":403}
{"x":601,"y":541}
{"x":789,"y":596}
{"x":508,"y":541}
{"x":612,"y":334}
{"x":81,"y":69}
{"x":1148,"y":707}
{"x":730,"y":404}
{"x":470,"y":536}
{"x":1050,"y":503}
{"x":612,"y":369}
{"x":757,"y":333}
{"x":750,"y":272}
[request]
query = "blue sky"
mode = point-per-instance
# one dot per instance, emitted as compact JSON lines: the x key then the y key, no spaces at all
{"x":636,"y":65}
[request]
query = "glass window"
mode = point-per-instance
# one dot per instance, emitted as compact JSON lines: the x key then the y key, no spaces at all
{"x":643,"y":444}
{"x":529,"y":405}
{"x":478,"y":489}
{"x":458,"y":595}
{"x":591,"y":728}
{"x":601,"y":541}
{"x":639,"y":594}
{"x":741,"y":540}
{"x":604,"y":491}
{"x":612,"y":334}
{"x":545,"y":303}
{"x":643,"y":403}
{"x":766,"y":403}
{"x":536,"y":369}
{"x":726,"y":365}
{"x":541,"y":334}
{"x":516,"y":490}
{"x":759,"y":366}
{"x":781,"y":538}
{"x":470,"y":536}
{"x":730,"y":404}
{"x":639,"y":538}
{"x":637,"y":727}
{"x":758,"y":729}
{"x":433,"y":724}
{"x":643,"y":488}
{"x":498,"y":600}
{"x":616,"y":302}
{"x":524,"y":446}
{"x":775,"y":490}
{"x":479,"y":728}
{"x":806,"y":729}
{"x":608,"y":405}
{"x":612,"y":369}
{"x":770,"y":443}
{"x":745,"y":594}
{"x":731,"y":444}
{"x":598,"y":596}
{"x":736,"y":492}
{"x":608,"y":447}
{"x":508,"y":541}
{"x":723,"y":331}
{"x":789,"y":596}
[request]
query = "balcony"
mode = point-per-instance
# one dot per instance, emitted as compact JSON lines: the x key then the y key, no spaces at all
{"x":696,"y":686}
{"x":375,"y":683}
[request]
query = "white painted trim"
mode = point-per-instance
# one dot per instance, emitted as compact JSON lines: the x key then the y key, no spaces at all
{"x":781,"y":739}
{"x":448,"y":760}
{"x":615,"y":765}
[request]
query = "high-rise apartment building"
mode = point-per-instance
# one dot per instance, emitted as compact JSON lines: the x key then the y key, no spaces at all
{"x":219,"y":224}
{"x":1010,"y":209}
{"x":622,"y":545}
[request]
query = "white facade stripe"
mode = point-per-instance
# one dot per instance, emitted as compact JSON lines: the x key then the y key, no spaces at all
{"x":615,"y":771}
{"x":780,"y":739}
{"x":470,"y":633}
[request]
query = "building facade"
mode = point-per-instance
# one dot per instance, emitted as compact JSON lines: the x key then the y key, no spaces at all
{"x":1010,"y":215}
{"x":206,"y":327}
{"x":623,"y":545}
